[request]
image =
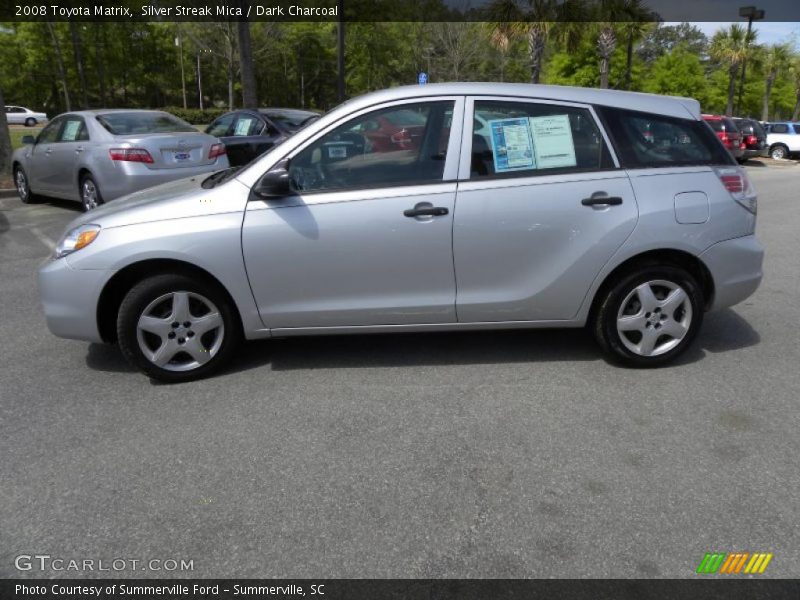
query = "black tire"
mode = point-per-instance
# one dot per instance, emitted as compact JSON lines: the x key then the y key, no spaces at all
{"x":605,"y":320}
{"x":30,"y":122}
{"x":143,"y":295}
{"x":23,"y":190}
{"x":779,"y":151}
{"x":86,"y":202}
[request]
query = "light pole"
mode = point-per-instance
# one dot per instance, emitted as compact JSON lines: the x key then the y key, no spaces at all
{"x":751,"y":13}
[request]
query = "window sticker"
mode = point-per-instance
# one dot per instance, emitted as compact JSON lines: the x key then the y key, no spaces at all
{"x":243,"y":126}
{"x":512,"y":145}
{"x":337,"y":151}
{"x":70,"y":133}
{"x":552,"y":137}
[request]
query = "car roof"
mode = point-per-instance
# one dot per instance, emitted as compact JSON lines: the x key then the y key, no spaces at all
{"x":105,"y":111}
{"x":665,"y":105}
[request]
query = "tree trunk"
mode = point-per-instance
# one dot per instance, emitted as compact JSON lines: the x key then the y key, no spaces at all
{"x":537,"y":40}
{"x":796,"y":111}
{"x":79,"y":64}
{"x":249,"y":89}
{"x":731,"y":89}
{"x":99,"y":57}
{"x":629,"y":61}
{"x":606,"y":44}
{"x":5,"y":143}
{"x":767,"y":94}
{"x":60,"y":64}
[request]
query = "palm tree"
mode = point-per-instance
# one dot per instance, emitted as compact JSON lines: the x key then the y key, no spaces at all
{"x":730,"y":47}
{"x":776,"y":59}
{"x":637,"y":24}
{"x":532,"y":19}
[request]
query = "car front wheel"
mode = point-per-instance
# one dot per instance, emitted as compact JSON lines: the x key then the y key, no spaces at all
{"x":650,"y":316}
{"x":175,"y":328}
{"x":30,"y":122}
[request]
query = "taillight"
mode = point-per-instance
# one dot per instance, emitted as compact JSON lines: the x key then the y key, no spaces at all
{"x":401,"y":138}
{"x":131,"y":155}
{"x":739,"y":187}
{"x":725,"y":139}
{"x":752,"y":140}
{"x":216,"y":150}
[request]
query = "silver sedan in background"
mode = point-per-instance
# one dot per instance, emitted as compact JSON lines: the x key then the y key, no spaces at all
{"x":97,"y":156}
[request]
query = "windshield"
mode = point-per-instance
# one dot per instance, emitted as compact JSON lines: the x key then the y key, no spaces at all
{"x":133,"y":123}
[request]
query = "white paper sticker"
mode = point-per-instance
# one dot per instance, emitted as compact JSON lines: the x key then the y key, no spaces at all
{"x":337,"y":151}
{"x":243,"y":126}
{"x":552,"y":141}
{"x":70,"y":133}
{"x":512,"y":146}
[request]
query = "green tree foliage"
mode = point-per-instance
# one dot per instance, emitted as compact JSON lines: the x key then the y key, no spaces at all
{"x":678,"y":73}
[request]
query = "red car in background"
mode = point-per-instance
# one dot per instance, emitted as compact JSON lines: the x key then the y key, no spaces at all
{"x":728,"y":134}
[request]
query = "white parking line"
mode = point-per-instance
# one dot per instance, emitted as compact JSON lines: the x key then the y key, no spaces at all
{"x":51,"y":245}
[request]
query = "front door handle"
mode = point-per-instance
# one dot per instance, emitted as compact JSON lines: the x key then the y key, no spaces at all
{"x":425,"y":209}
{"x":601,"y":199}
{"x":79,"y":149}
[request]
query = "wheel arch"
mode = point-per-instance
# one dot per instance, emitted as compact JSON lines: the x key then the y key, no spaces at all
{"x":665,"y":256}
{"x":123,"y":280}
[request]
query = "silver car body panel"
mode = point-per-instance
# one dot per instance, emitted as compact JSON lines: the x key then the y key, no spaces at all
{"x":54,"y":169}
{"x":510,"y":253}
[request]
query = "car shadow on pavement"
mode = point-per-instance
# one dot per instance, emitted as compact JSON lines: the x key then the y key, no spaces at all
{"x":722,"y":331}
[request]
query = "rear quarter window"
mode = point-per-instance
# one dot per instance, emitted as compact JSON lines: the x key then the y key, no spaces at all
{"x":646,"y":140}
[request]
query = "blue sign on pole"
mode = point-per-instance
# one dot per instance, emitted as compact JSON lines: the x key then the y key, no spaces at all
{"x":423,"y":78}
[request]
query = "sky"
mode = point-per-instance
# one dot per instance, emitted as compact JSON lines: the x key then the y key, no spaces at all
{"x":768,"y":32}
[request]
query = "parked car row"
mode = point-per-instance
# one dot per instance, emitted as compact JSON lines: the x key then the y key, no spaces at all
{"x":94,"y":156}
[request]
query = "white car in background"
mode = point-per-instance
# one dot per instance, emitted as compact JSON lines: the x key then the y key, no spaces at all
{"x":19,"y":115}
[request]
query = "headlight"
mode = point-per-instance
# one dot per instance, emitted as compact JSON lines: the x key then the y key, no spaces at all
{"x":77,"y":238}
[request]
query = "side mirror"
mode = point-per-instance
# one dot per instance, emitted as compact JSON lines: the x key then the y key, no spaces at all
{"x":275,"y":183}
{"x":28,"y":139}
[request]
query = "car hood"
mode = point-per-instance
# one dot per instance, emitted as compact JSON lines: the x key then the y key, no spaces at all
{"x":176,"y":199}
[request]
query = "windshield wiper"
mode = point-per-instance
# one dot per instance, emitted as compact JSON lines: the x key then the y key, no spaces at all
{"x":219,"y":177}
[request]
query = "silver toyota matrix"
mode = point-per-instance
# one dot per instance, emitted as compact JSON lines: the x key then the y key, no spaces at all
{"x":439,"y":207}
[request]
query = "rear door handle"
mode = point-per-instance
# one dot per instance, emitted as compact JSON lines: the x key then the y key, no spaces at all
{"x":79,"y":149}
{"x":425,"y":210}
{"x":600,"y":199}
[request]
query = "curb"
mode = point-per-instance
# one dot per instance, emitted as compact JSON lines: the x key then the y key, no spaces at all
{"x":8,"y":193}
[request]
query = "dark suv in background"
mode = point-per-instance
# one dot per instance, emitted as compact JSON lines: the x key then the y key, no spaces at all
{"x":754,"y":137}
{"x":728,"y":134}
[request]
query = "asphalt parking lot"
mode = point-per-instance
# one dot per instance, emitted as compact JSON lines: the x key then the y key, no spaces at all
{"x":513,"y":454}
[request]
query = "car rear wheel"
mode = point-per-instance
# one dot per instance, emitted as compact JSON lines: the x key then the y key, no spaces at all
{"x":30,"y":122}
{"x":175,"y":328}
{"x":90,"y":193}
{"x":23,"y":186}
{"x":650,"y":316}
{"x":779,"y":151}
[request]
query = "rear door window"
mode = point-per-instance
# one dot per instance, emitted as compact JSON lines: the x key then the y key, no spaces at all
{"x":74,"y":130}
{"x":645,"y":140}
{"x":520,"y":139}
{"x":247,"y":125}
{"x":779,"y":128}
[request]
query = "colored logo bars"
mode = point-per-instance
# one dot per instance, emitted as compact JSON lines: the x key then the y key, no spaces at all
{"x":734,"y":562}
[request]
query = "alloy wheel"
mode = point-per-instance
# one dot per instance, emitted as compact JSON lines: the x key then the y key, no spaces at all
{"x":180,"y":331}
{"x":89,"y":194}
{"x":654,"y":318}
{"x":22,"y":184}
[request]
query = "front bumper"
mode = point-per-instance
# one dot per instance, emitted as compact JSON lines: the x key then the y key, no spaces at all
{"x":735,"y":266}
{"x":69,"y":299}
